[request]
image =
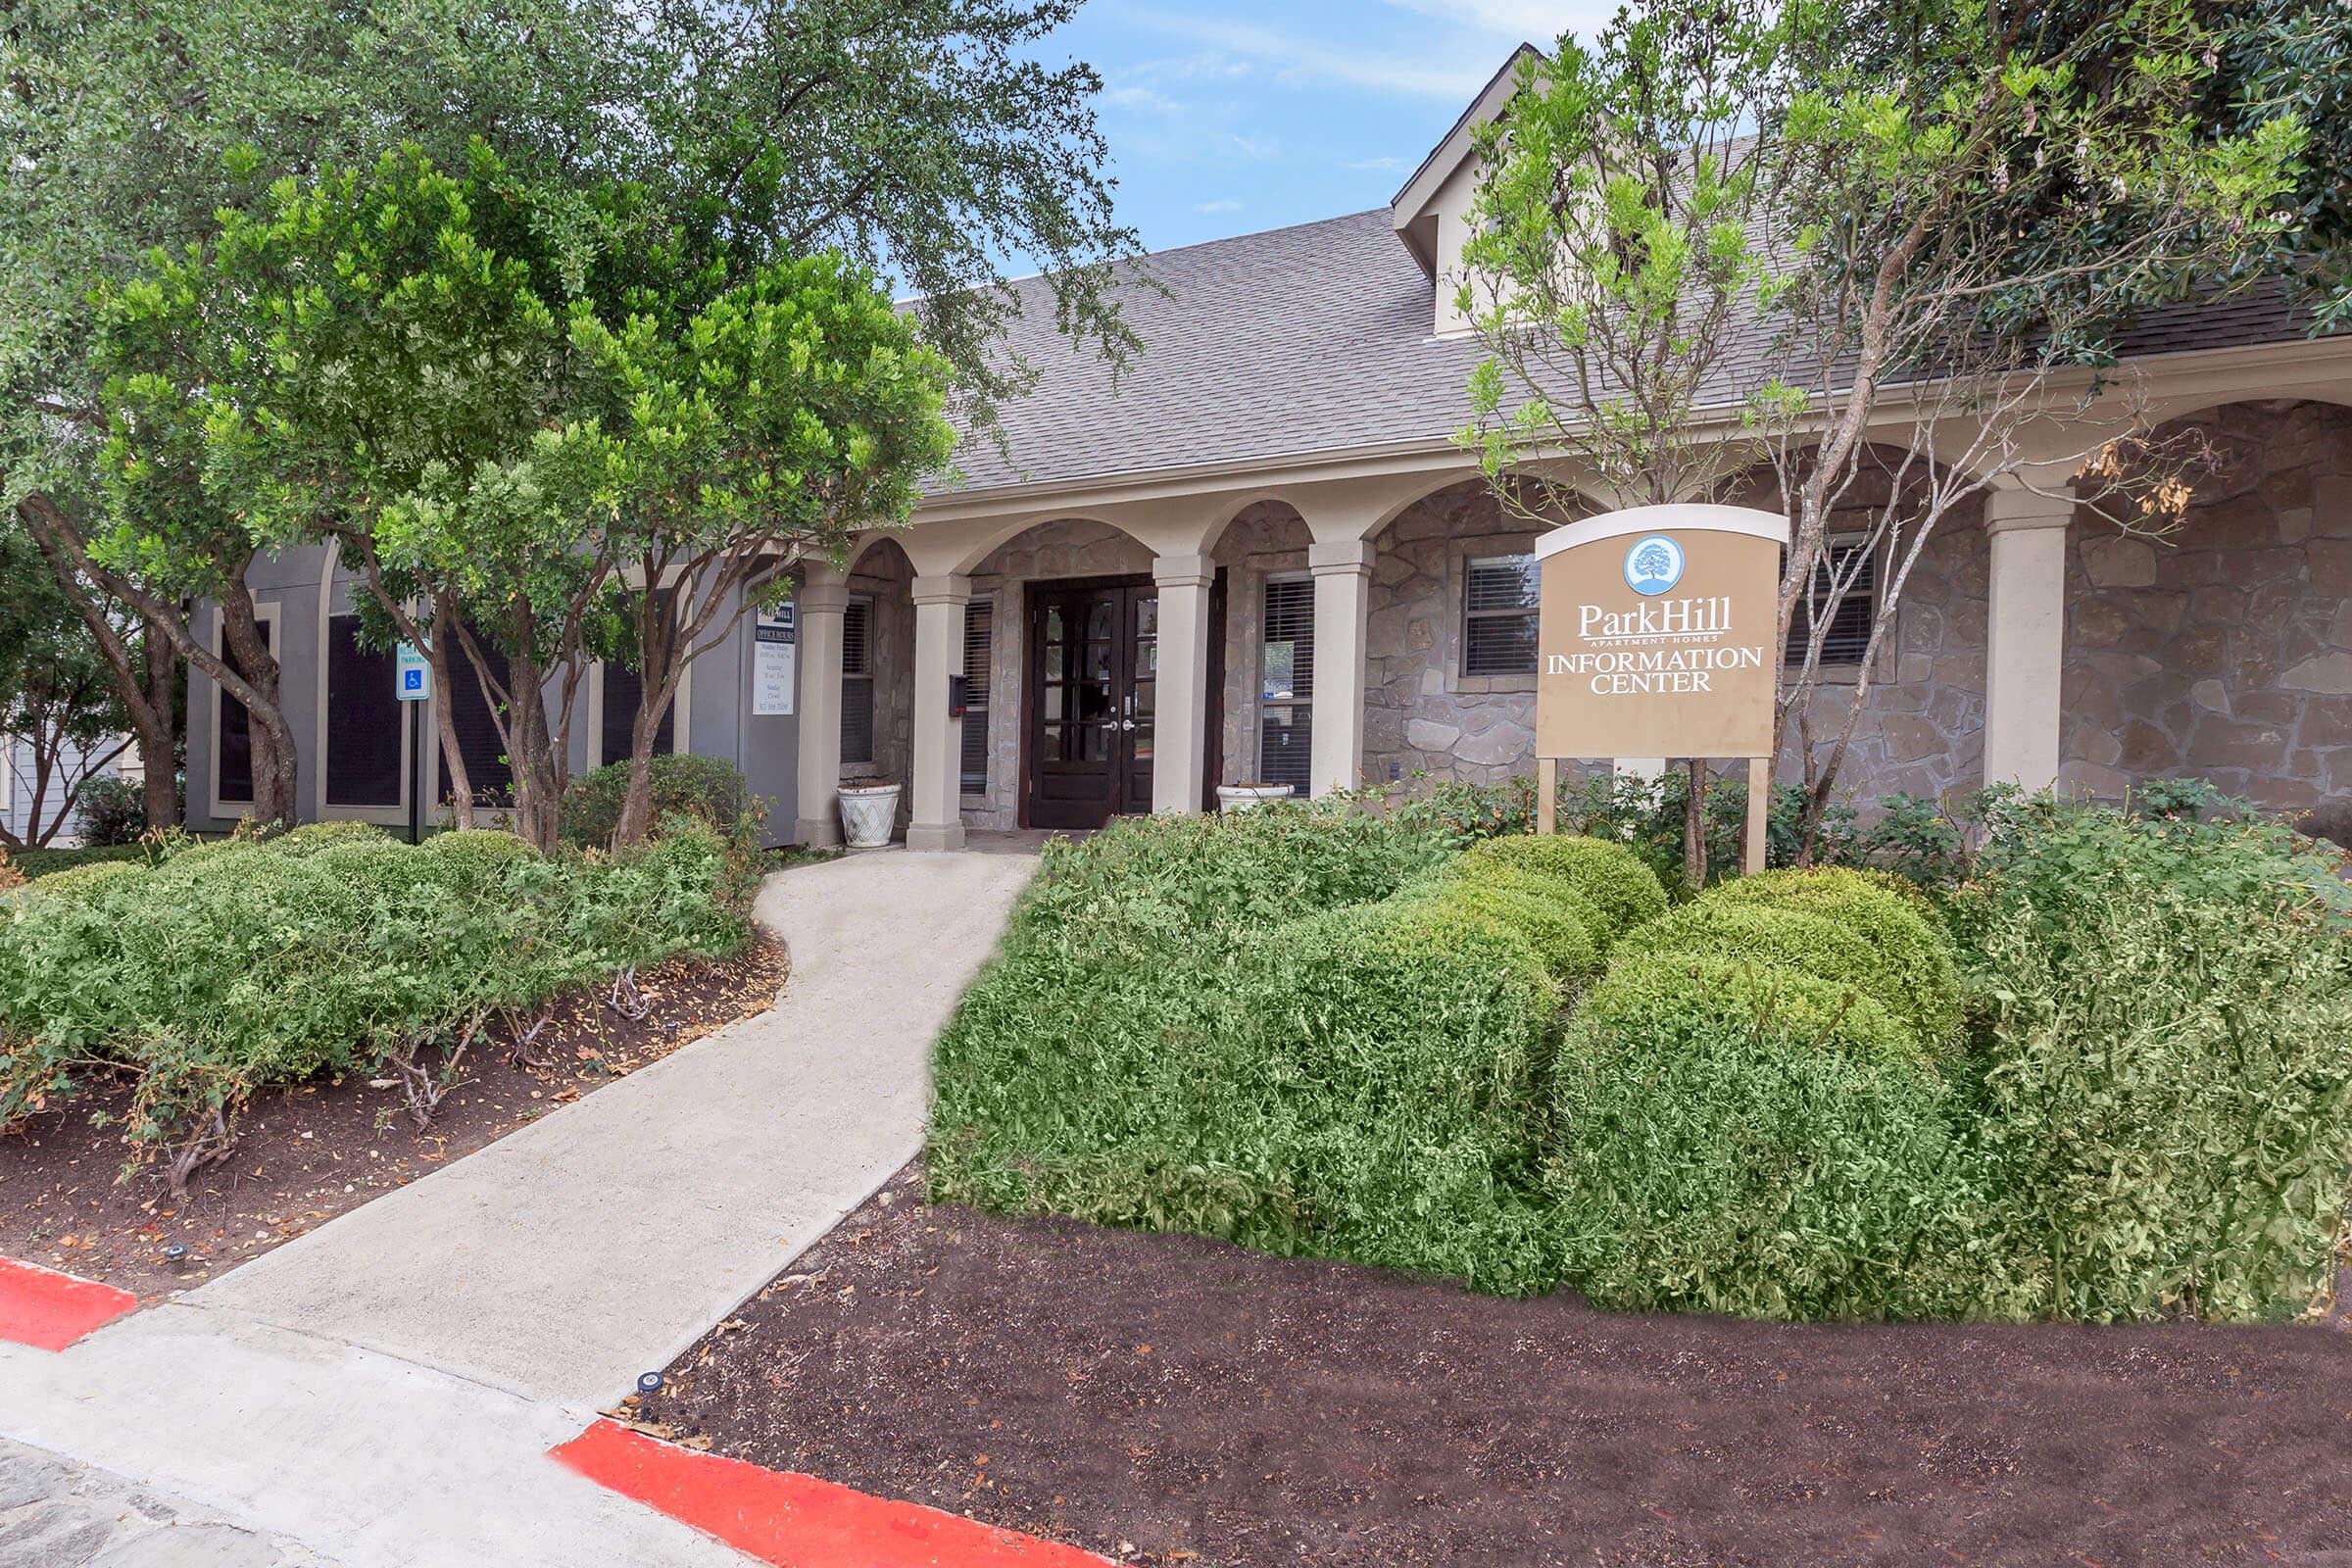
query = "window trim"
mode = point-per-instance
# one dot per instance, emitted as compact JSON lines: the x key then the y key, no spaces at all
{"x":263,"y":609}
{"x":1477,"y":552}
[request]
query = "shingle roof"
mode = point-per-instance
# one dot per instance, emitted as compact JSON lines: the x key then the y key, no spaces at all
{"x":1314,"y":340}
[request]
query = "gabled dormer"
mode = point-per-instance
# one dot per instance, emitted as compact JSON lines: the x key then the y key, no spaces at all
{"x":1432,"y":213}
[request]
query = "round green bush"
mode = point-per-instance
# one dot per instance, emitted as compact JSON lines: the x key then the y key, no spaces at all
{"x":1541,"y":885}
{"x":84,"y":879}
{"x":1914,"y":949}
{"x":312,"y":837}
{"x":1563,"y":937}
{"x":1775,"y":937}
{"x":1609,"y":875}
{"x":1713,"y":1156}
{"x":1676,"y":995}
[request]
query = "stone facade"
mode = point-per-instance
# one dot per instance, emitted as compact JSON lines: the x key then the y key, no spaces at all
{"x":2224,"y":650}
{"x":1421,"y":713}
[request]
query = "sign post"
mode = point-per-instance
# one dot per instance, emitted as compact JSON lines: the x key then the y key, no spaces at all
{"x":1655,"y":639}
{"x":412,"y":684}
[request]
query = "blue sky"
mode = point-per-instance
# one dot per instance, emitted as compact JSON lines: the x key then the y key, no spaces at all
{"x":1225,"y":117}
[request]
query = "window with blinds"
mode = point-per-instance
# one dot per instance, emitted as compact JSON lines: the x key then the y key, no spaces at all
{"x":487,"y":769}
{"x":1849,"y":617}
{"x":624,"y":690}
{"x":363,"y":719}
{"x":858,"y":681}
{"x":1499,"y":616}
{"x":979,"y":625}
{"x":1286,"y":685}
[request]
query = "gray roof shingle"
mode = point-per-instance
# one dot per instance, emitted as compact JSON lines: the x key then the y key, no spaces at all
{"x":1314,"y":340}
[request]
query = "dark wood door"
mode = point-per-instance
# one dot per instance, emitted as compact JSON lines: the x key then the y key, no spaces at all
{"x":1094,"y":666}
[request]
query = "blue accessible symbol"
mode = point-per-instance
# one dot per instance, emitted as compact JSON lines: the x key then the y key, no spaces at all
{"x":1654,"y":566}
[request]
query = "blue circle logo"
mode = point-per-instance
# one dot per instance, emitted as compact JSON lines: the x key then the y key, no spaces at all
{"x":1654,"y":566}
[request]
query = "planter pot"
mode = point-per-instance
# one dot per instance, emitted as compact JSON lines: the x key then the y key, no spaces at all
{"x":1241,"y":797}
{"x":869,"y":811}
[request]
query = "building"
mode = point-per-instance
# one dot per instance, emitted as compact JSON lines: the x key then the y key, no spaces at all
{"x":1261,"y":557}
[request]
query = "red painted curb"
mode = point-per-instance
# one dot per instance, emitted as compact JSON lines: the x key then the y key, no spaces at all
{"x":49,"y":1310}
{"x":796,"y":1521}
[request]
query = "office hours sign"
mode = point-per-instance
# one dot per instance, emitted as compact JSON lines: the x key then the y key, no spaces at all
{"x":1656,"y":634}
{"x":775,"y":660}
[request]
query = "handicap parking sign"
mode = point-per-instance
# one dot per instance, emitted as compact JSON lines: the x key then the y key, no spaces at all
{"x":415,"y":682}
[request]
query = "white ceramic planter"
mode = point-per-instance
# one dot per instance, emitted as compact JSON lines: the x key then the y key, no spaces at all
{"x":1243,"y":797}
{"x":869,"y":811}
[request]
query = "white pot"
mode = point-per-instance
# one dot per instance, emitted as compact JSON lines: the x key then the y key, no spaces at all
{"x":868,"y":813}
{"x":1241,"y":797}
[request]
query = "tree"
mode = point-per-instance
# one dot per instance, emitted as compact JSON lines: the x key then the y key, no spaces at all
{"x":1622,"y":237}
{"x":774,"y":420}
{"x":1973,"y":201}
{"x":55,"y":698}
{"x":922,"y":136}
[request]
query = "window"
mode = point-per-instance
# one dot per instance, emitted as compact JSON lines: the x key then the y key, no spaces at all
{"x":1286,"y":685}
{"x":233,"y":775}
{"x":979,"y":623}
{"x":857,"y":682}
{"x":1849,"y":636}
{"x":624,"y":689}
{"x":1499,"y":616}
{"x":365,"y":720}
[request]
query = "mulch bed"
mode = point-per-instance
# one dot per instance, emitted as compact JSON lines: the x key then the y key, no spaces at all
{"x":1171,"y":1400}
{"x":307,"y":1153}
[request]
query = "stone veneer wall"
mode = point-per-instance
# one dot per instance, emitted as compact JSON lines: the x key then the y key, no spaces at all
{"x":2226,"y":651}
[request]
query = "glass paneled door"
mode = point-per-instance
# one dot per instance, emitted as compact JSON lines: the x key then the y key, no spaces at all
{"x":1094,"y":666}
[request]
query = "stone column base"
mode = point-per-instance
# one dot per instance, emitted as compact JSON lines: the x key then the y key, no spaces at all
{"x":816,"y":832}
{"x":935,"y":836}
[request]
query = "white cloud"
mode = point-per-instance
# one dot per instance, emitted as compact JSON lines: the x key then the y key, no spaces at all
{"x":1227,"y":205}
{"x":1292,"y":57}
{"x":1373,"y":165}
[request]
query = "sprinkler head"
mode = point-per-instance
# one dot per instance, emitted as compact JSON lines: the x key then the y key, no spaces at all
{"x":176,"y":1254}
{"x":649,"y":1383}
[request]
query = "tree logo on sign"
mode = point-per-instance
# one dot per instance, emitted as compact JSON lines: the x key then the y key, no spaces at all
{"x":1654,"y":566}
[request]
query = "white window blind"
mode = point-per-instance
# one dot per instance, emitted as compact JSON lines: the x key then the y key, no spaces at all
{"x":1287,"y":669}
{"x":979,"y":624}
{"x":1499,"y":616}
{"x":1850,"y":616}
{"x":858,"y":681}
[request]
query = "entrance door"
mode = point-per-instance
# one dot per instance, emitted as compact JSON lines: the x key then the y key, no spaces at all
{"x":1094,"y":658}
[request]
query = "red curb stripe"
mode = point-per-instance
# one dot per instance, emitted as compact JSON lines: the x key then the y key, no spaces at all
{"x":49,"y":1310}
{"x":796,"y":1521}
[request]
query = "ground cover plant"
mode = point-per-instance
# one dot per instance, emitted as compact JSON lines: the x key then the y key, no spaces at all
{"x":228,"y":966}
{"x":2107,"y":1075}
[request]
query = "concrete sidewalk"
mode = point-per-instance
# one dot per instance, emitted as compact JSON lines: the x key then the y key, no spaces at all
{"x":381,"y":1391}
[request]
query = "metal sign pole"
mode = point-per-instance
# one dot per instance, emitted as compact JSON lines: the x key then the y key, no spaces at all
{"x":416,"y":773}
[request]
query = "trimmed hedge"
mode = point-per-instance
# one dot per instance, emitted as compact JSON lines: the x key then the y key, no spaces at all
{"x":238,"y":963}
{"x":1789,"y":939}
{"x":1610,"y":876}
{"x":1358,"y":1077}
{"x":1557,"y":892}
{"x":709,"y":789}
{"x":1560,"y":931}
{"x":1913,"y":949}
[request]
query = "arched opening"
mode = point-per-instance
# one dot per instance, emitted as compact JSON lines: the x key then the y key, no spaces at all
{"x":1267,"y":656}
{"x":877,"y":671}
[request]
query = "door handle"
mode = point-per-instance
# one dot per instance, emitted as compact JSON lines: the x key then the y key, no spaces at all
{"x":1126,"y":723}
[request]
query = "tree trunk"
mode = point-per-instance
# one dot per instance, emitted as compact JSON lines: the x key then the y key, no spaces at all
{"x":530,"y":757}
{"x":156,"y":723}
{"x":1694,"y":826}
{"x":445,"y":719}
{"x":276,"y":766}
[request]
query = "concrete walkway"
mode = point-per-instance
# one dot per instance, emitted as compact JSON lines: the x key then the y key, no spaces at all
{"x":382,"y":1390}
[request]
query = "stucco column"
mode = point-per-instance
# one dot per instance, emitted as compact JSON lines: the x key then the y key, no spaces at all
{"x":935,"y":800}
{"x":2025,"y":635}
{"x":1180,"y":721}
{"x":822,"y":603}
{"x":1342,"y":572}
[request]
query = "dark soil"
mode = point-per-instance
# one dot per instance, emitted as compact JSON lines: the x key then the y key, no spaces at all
{"x":307,"y":1153}
{"x":1172,"y":1401}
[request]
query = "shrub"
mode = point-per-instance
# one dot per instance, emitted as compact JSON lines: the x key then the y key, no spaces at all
{"x":232,"y":965}
{"x":1558,"y":924}
{"x":312,"y":837}
{"x":111,"y":810}
{"x":2167,"y":1038}
{"x":1560,"y":894}
{"x":1607,"y":875}
{"x":1229,"y":1028}
{"x":1744,"y":1139}
{"x":1776,"y":937}
{"x":1913,"y":949}
{"x":708,"y":789}
{"x":84,"y":876}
